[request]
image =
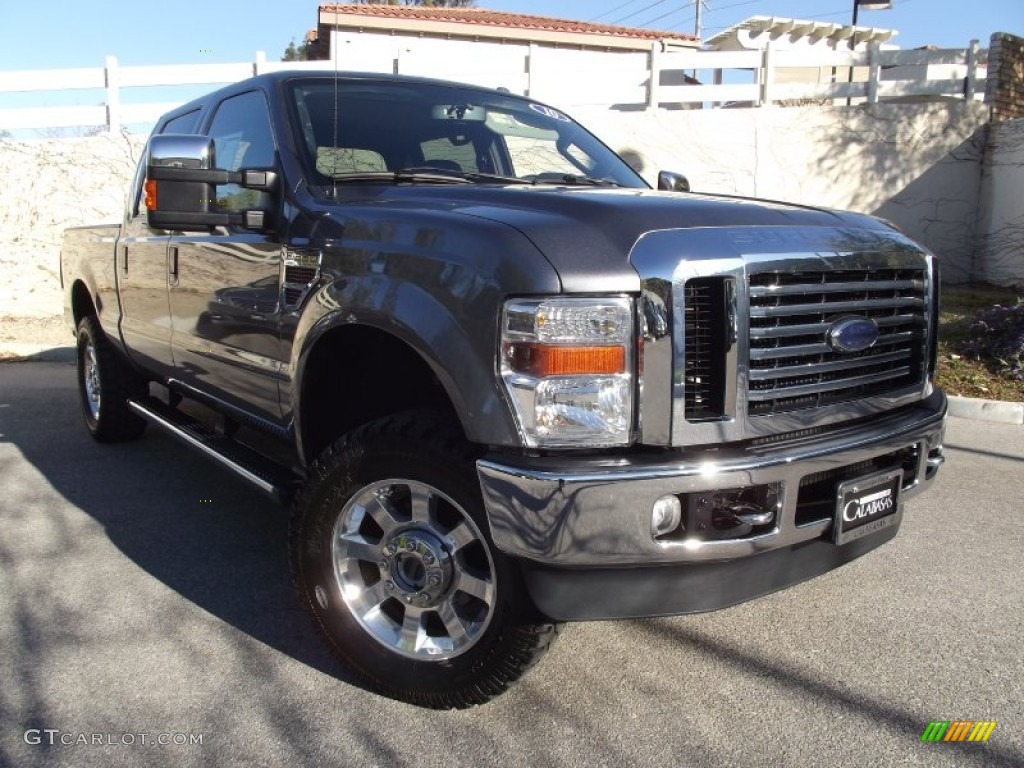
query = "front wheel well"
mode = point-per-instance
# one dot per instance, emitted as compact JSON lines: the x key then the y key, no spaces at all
{"x":355,"y":375}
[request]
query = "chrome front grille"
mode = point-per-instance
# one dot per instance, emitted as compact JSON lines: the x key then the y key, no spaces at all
{"x":791,"y":365}
{"x":748,"y":331}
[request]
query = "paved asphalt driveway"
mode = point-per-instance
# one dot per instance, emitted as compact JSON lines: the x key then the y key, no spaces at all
{"x":144,"y":596}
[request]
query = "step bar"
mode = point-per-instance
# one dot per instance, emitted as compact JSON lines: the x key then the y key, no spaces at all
{"x":267,"y":476}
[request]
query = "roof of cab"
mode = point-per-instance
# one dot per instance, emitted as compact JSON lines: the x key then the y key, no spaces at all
{"x":269,"y":80}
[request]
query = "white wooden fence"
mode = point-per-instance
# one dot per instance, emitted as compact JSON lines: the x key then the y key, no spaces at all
{"x":618,"y":80}
{"x":110,"y":81}
{"x":782,"y":75}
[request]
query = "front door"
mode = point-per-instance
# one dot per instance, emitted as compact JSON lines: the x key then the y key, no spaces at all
{"x":225,"y":285}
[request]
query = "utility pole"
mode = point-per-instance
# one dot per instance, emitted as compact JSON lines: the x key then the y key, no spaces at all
{"x":697,"y":30}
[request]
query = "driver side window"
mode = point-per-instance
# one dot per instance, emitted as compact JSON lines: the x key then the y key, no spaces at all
{"x":242,"y":138}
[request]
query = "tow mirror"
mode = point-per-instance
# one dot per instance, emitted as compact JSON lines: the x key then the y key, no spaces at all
{"x":181,"y":186}
{"x":669,"y":181}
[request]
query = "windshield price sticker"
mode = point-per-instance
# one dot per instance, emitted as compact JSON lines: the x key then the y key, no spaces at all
{"x":867,"y":505}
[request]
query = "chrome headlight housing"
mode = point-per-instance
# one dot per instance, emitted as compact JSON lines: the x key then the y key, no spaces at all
{"x":567,"y":365}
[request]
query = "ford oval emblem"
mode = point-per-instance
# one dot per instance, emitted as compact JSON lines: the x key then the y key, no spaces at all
{"x":852,"y":334}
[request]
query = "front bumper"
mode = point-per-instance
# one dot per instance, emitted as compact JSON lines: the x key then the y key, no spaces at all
{"x":583,"y":524}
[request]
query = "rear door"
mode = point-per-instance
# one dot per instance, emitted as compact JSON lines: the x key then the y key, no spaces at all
{"x":225,"y":284}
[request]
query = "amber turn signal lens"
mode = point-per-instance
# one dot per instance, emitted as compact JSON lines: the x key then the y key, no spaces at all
{"x":150,"y":190}
{"x":547,"y":360}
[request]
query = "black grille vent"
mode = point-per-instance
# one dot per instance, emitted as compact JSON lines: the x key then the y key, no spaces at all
{"x":296,"y":282}
{"x":300,"y":275}
{"x":706,"y":335}
{"x":816,"y":499}
{"x":792,"y":366}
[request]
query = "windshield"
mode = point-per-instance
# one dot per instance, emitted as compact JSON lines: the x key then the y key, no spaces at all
{"x":389,"y":130}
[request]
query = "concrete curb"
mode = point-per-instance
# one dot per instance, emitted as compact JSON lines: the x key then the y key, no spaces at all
{"x":972,"y":408}
{"x":977,"y":409}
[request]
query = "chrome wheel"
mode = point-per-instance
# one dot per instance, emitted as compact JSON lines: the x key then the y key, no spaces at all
{"x":392,"y":557}
{"x":413,"y":569}
{"x":106,"y":382}
{"x":91,"y":380}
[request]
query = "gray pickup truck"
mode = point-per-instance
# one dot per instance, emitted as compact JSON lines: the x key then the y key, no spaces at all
{"x":502,"y":382}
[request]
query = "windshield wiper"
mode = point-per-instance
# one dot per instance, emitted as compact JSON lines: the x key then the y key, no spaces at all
{"x":405,"y":175}
{"x":573,"y":179}
{"x":471,"y":176}
{"x":429,"y":175}
{"x":496,"y":177}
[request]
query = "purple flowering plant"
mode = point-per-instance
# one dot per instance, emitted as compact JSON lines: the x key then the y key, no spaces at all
{"x":996,"y":337}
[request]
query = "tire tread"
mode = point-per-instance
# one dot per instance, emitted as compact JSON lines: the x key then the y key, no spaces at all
{"x":530,"y":638}
{"x":118,"y":383}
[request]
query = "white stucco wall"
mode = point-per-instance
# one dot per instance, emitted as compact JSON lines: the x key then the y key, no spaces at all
{"x":1001,"y":213}
{"x":917,"y":165}
{"x":566,"y":76}
{"x":46,"y":186}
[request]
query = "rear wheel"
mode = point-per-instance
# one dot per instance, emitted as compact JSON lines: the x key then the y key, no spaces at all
{"x":105,"y":383}
{"x":391,"y":554}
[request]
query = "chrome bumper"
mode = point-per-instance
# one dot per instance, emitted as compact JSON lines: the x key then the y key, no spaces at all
{"x":596,"y":512}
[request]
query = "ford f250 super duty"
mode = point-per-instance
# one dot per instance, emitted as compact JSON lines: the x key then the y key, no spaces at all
{"x":502,"y":382}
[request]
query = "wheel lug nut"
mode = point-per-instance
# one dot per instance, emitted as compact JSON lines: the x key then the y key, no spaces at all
{"x":390,"y":549}
{"x":383,"y":565}
{"x":389,"y":586}
{"x":428,"y":558}
{"x":411,"y":546}
{"x":434,"y":579}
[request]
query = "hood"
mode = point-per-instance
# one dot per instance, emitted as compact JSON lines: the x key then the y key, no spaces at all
{"x":587,"y":233}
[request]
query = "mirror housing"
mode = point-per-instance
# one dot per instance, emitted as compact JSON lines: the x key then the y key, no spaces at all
{"x":181,"y":186}
{"x":669,"y":181}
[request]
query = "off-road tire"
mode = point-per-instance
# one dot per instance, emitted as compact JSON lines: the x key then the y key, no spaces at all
{"x":417,"y":452}
{"x":105,"y":383}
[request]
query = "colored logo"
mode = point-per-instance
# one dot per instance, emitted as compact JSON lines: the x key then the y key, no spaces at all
{"x":958,"y":730}
{"x":852,"y":334}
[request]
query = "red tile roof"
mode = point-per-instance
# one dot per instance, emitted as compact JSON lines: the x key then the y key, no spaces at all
{"x":484,"y":17}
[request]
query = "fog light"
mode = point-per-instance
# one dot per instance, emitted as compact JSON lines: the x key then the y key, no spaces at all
{"x":666,"y":515}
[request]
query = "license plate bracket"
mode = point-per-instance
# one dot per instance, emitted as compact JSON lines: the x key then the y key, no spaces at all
{"x":866,"y":505}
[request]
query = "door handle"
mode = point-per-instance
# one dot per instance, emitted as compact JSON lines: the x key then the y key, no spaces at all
{"x":124,"y":260}
{"x":172,"y":264}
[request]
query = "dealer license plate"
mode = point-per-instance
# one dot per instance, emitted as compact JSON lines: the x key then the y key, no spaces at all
{"x":866,"y":505}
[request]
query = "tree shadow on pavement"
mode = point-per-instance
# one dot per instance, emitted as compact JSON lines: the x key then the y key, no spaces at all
{"x":186,"y":522}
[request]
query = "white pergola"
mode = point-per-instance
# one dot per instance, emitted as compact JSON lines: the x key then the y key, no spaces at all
{"x":757,"y":31}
